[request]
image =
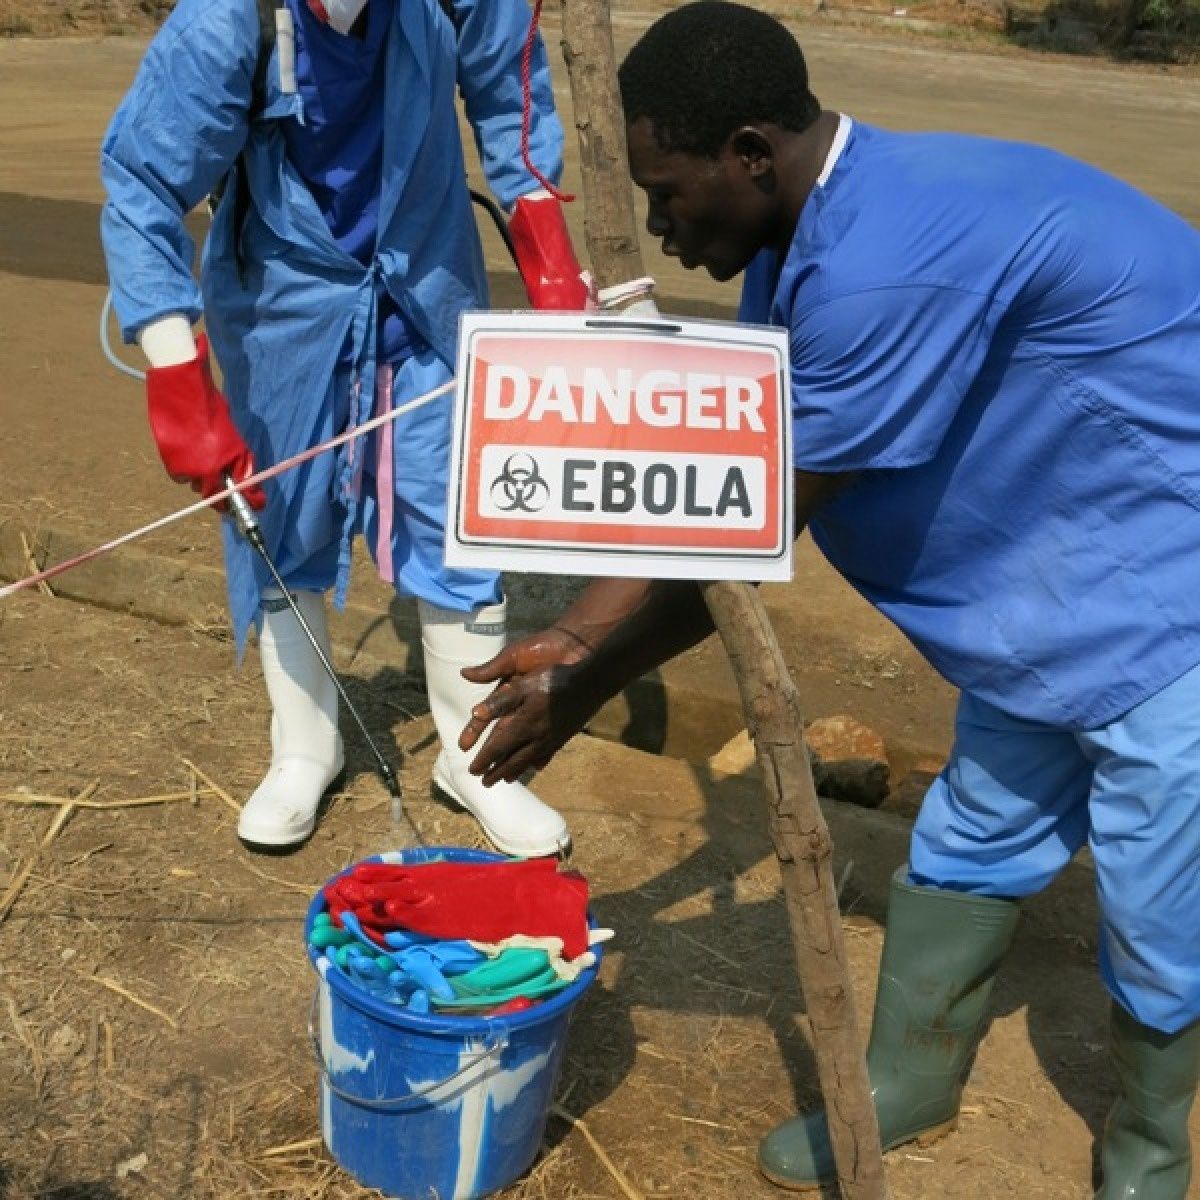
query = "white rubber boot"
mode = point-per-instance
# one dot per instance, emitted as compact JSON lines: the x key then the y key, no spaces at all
{"x":515,"y":820}
{"x":306,"y":747}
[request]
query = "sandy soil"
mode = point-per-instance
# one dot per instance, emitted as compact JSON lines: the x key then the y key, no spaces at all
{"x":154,"y":993}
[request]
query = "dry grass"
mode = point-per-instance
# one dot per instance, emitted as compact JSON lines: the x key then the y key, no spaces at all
{"x":154,"y":991}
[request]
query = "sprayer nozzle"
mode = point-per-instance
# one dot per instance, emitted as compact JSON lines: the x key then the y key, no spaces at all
{"x":244,"y":517}
{"x":390,"y":779}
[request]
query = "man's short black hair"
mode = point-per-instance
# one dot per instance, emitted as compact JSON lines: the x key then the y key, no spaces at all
{"x":709,"y":68}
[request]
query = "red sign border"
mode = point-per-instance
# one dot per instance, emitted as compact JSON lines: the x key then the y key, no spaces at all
{"x":651,"y":328}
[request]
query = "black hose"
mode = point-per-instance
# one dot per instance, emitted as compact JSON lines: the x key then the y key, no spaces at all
{"x":499,"y":219}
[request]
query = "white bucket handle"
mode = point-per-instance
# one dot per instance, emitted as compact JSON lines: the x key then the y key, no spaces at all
{"x":398,"y":1103}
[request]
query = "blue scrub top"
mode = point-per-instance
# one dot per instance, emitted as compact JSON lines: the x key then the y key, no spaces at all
{"x":337,"y":147}
{"x":1006,"y":344}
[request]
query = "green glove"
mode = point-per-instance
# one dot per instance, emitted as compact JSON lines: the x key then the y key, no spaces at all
{"x":516,"y":972}
{"x":325,"y":933}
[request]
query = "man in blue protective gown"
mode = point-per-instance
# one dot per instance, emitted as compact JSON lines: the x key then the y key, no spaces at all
{"x":994,"y":355}
{"x":342,"y":253}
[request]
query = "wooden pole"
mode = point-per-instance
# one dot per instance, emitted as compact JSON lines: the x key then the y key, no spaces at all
{"x":769,"y":698}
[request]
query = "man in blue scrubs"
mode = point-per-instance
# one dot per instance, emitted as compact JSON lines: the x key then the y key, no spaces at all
{"x":994,"y":355}
{"x":342,"y":253}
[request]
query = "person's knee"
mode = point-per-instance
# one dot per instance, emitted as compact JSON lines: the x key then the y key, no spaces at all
{"x":986,"y":846}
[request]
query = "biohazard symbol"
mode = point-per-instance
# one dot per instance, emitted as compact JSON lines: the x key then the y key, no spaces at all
{"x":519,"y":487}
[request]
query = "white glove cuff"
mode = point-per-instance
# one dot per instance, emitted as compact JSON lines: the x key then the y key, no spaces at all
{"x":168,"y":341}
{"x":632,"y":298}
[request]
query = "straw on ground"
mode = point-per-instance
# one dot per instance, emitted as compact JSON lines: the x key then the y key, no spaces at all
{"x":22,"y":877}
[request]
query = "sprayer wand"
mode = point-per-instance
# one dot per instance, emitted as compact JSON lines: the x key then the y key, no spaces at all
{"x":249,"y":528}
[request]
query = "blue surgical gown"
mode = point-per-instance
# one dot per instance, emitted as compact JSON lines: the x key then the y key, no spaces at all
{"x":295,"y":324}
{"x":1005,"y":344}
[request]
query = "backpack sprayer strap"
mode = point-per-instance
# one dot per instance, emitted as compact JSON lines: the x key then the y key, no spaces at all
{"x":275,"y":28}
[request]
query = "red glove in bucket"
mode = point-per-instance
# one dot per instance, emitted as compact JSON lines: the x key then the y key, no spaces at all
{"x":486,"y":901}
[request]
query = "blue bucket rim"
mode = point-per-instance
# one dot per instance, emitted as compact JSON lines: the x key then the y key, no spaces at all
{"x":438,"y":1023}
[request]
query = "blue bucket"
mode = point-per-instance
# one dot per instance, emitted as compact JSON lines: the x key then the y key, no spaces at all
{"x":426,"y":1106}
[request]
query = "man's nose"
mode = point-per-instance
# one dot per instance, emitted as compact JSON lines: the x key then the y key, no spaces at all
{"x":657,"y":225}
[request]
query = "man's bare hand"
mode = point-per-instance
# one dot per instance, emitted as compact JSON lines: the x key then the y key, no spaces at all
{"x":541,"y":701}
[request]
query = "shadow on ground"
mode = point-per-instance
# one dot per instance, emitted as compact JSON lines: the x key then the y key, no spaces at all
{"x":737,"y":957}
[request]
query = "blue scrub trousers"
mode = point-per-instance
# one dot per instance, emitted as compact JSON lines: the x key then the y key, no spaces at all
{"x":421,"y":466}
{"x":1017,"y":799}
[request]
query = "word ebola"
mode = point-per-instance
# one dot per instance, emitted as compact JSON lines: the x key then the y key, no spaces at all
{"x":661,"y":398}
{"x":629,"y":487}
{"x":618,"y":487}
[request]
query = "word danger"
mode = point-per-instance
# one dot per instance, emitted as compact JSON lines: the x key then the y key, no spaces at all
{"x":664,"y":399}
{"x":629,"y":487}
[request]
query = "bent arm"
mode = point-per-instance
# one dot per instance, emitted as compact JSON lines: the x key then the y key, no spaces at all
{"x":491,"y":43}
{"x":175,"y":134}
{"x":631,"y":626}
{"x":552,"y":683}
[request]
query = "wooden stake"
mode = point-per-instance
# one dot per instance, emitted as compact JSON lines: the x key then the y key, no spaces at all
{"x":769,"y":698}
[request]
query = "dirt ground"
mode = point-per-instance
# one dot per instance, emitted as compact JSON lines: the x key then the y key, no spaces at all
{"x":153,"y":987}
{"x":154,"y":992}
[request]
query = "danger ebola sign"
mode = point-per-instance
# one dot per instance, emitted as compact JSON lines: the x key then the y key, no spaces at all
{"x":600,"y":446}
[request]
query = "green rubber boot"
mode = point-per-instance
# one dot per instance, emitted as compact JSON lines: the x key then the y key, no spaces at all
{"x":940,"y":955}
{"x":1146,"y":1154}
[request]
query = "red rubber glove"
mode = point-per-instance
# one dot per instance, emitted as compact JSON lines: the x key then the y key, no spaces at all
{"x":195,"y":434}
{"x":486,"y":901}
{"x":553,"y":277}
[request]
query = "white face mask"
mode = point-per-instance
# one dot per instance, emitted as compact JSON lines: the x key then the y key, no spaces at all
{"x":338,"y":14}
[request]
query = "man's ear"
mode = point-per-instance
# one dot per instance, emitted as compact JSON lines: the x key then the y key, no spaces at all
{"x":753,"y":149}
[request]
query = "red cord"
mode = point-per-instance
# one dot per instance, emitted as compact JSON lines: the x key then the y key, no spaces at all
{"x":527,"y":106}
